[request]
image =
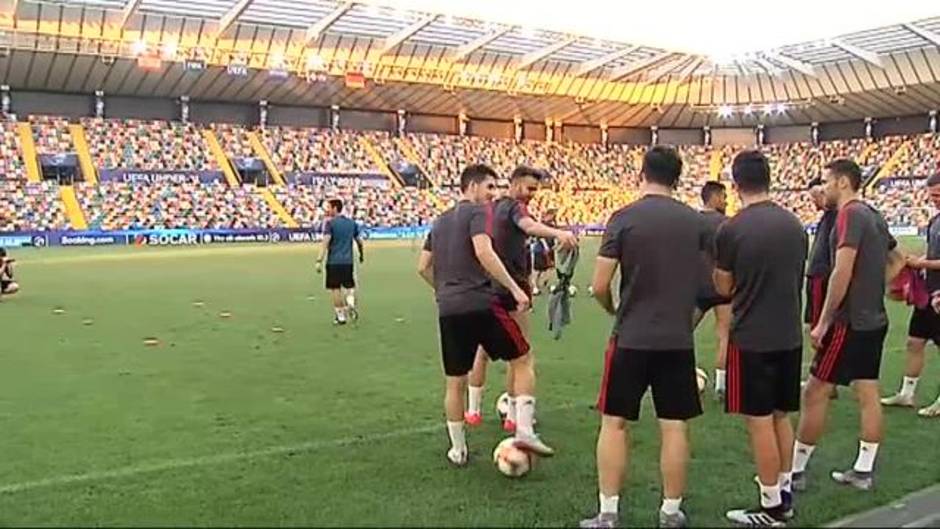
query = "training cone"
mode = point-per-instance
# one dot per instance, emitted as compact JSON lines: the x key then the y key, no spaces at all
{"x":225,"y":314}
{"x":151,"y":342}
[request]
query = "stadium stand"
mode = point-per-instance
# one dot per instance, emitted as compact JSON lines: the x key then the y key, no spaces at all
{"x":51,"y":135}
{"x":234,"y":140}
{"x":28,"y":206}
{"x":148,"y":145}
{"x":119,"y":206}
{"x":11,"y":158}
{"x":318,"y":150}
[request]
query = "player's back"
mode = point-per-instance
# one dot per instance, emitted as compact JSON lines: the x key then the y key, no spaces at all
{"x":860,"y":226}
{"x":460,"y":282}
{"x":764,"y":247}
{"x":342,"y":231}
{"x":658,"y":242}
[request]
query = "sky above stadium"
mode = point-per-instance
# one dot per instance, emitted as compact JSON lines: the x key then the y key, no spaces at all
{"x":718,"y":28}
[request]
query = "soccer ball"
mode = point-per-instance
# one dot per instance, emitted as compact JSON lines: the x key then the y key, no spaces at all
{"x":511,"y":461}
{"x":701,"y":378}
{"x":572,"y":290}
{"x":502,"y":406}
{"x":591,"y":290}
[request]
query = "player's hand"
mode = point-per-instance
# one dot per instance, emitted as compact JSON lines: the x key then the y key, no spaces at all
{"x":522,"y":300}
{"x":916,"y":262}
{"x":362,"y":258}
{"x":818,"y":334}
{"x":319,"y":267}
{"x":567,"y":239}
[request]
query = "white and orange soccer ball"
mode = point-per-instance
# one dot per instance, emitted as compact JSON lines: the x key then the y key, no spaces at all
{"x":511,"y":461}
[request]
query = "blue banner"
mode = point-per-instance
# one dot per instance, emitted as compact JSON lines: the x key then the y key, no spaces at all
{"x":141,"y":176}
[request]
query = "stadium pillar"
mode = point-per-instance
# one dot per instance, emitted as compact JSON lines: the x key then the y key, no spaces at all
{"x":462,"y":122}
{"x":263,"y":114}
{"x":517,"y":128}
{"x":932,"y":124}
{"x":5,"y":99}
{"x":814,"y":133}
{"x":184,"y":109}
{"x":334,"y":117}
{"x":99,"y":104}
{"x":707,"y":135}
{"x":549,"y":131}
{"x":402,"y":122}
{"x":760,"y":133}
{"x":868,"y":128}
{"x":654,"y":135}
{"x":605,"y":134}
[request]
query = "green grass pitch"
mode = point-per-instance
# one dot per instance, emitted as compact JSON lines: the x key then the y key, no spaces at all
{"x":228,"y":423}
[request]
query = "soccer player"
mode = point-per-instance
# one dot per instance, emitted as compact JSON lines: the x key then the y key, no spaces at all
{"x":849,"y":337}
{"x":8,"y":286}
{"x":656,"y":242}
{"x":512,"y":225}
{"x":339,"y":233}
{"x":925,"y":323}
{"x":714,"y":201}
{"x":761,"y":253}
{"x":820,"y":264}
{"x":459,"y":262}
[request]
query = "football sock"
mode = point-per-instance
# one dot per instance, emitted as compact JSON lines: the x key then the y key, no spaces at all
{"x":801,"y":455}
{"x":340,"y":314}
{"x":671,"y":507}
{"x":786,"y":481}
{"x":512,"y":409}
{"x":909,"y":386}
{"x":351,"y":298}
{"x":866,"y":456}
{"x":720,"y":379}
{"x":525,"y":412}
{"x":474,"y":399}
{"x":457,"y":438}
{"x":770,"y":496}
{"x":609,"y":504}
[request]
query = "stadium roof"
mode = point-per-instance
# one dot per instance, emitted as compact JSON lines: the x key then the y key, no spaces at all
{"x":445,"y":64}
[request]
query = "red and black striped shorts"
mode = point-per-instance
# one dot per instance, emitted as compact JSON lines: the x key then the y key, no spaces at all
{"x":848,"y":355}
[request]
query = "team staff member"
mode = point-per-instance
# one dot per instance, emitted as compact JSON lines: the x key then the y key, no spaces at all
{"x":8,"y":286}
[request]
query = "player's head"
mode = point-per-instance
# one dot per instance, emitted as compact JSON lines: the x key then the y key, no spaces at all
{"x":843,"y":179}
{"x":751,"y":173}
{"x":933,"y":190}
{"x":662,"y":166}
{"x":334,"y":206}
{"x":525,"y":182}
{"x":714,"y":196}
{"x":817,"y":191}
{"x":478,"y":183}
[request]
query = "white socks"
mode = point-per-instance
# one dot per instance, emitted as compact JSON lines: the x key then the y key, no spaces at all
{"x":340,"y":314}
{"x":866,"y":456}
{"x":909,"y":386}
{"x":351,"y":299}
{"x":770,"y":496}
{"x":720,"y":375}
{"x":671,"y":507}
{"x":474,"y":399}
{"x":525,"y":413}
{"x":801,"y":455}
{"x":512,"y":415}
{"x":609,"y":504}
{"x":455,"y":431}
{"x":786,"y":481}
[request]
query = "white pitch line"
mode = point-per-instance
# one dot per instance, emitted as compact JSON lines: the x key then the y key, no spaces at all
{"x":174,"y":464}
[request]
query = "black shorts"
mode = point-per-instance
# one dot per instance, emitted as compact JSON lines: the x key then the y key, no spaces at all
{"x":492,"y":328}
{"x":925,"y":324}
{"x":762,"y":383}
{"x":543,"y":261}
{"x":340,"y":276}
{"x":815,"y":297}
{"x":4,"y":285}
{"x":629,"y":372}
{"x":848,"y":355}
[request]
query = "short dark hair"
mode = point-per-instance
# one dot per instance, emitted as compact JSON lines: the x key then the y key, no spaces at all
{"x":933,"y":180}
{"x":849,"y":169}
{"x":751,"y":172}
{"x":662,"y":165}
{"x":336,"y":204}
{"x":474,"y":174}
{"x":818,"y":181}
{"x":527,"y":170}
{"x":710,"y":189}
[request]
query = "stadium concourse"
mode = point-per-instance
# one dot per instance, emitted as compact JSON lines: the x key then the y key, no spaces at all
{"x":310,"y":165}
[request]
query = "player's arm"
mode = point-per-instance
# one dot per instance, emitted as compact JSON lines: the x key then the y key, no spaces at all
{"x":839,"y":282}
{"x":324,"y":245}
{"x":604,"y":270}
{"x":357,"y":236}
{"x":723,"y":248}
{"x":483,"y":248}
{"x":535,"y":228}
{"x":426,"y":267}
{"x":724,"y":282}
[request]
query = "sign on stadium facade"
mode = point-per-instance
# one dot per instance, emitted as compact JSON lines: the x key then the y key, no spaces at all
{"x":136,"y":176}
